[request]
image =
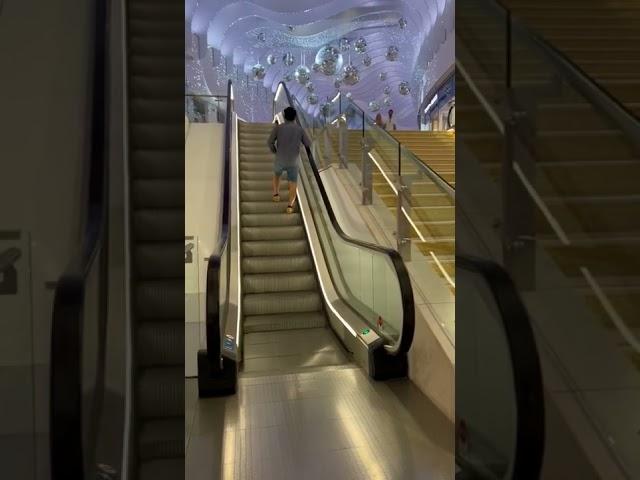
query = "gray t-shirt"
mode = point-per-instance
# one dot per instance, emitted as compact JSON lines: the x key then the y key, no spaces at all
{"x":285,"y":140}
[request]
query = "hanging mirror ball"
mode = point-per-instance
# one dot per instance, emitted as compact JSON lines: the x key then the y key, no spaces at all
{"x":302,"y":74}
{"x":403,"y":88}
{"x":291,"y":28}
{"x":344,"y":44}
{"x":329,"y":59}
{"x":288,"y":77}
{"x":258,"y":71}
{"x":374,"y":106}
{"x":366,"y":61}
{"x":262,"y":36}
{"x":348,"y":95}
{"x":387,"y":90}
{"x":310,"y":87}
{"x":272,"y":59}
{"x":387,"y":101}
{"x":288,"y":59}
{"x":325,"y":108}
{"x":360,"y":46}
{"x":402,"y":22}
{"x":350,"y":75}
{"x":392,"y":53}
{"x":315,"y":67}
{"x":312,"y":99}
{"x":382,"y":76}
{"x":337,"y":83}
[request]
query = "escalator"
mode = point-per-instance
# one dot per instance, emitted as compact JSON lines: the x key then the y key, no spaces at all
{"x":550,"y":122}
{"x":117,"y":337}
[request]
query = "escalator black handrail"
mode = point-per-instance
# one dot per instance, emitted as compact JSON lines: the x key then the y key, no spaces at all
{"x":527,"y":374}
{"x":212,"y":303}
{"x":576,"y":76}
{"x":406,"y":290}
{"x":67,"y":459}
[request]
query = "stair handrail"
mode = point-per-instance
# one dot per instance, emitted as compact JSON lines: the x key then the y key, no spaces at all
{"x":527,"y":373}
{"x":604,"y":101}
{"x":406,"y":290}
{"x":212,"y":302}
{"x":67,"y":458}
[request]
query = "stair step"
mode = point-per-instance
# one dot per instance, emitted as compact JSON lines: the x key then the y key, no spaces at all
{"x":295,"y":232}
{"x":162,"y":438}
{"x":160,"y":343}
{"x":158,"y":193}
{"x":158,"y":225}
{"x":159,"y":299}
{"x":278,"y":282}
{"x":281,"y":302}
{"x":160,"y":392}
{"x":283,"y":321}
{"x":266,"y":207}
{"x":158,"y":260}
{"x":262,"y":186}
{"x":271,"y":219}
{"x":152,"y":163}
{"x":156,"y":110}
{"x":277,"y":264}
{"x":248,"y":166}
{"x":268,"y":248}
{"x":265,"y":194}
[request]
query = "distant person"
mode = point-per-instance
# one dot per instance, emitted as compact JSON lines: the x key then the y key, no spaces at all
{"x":390,"y":124}
{"x":285,"y":141}
{"x":379,"y":121}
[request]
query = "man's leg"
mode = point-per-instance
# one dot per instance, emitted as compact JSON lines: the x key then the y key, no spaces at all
{"x":292,"y":178}
{"x":292,"y":192}
{"x":276,"y":187}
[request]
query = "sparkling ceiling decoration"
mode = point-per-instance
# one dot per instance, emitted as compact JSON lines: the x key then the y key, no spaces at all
{"x":312,"y":99}
{"x":288,"y":59}
{"x":329,"y":59}
{"x":348,"y":95}
{"x":258,"y":71}
{"x":337,"y":83}
{"x":366,"y":61}
{"x":360,"y":46}
{"x":374,"y":106}
{"x":262,"y":37}
{"x":387,"y":90}
{"x":350,"y":75}
{"x":325,"y":108}
{"x":315,"y":67}
{"x":287,"y":77}
{"x":404,"y":88}
{"x":310,"y":87}
{"x":382,"y":76}
{"x":344,"y":44}
{"x":272,"y":59}
{"x":387,"y":101}
{"x":392,"y":53}
{"x":302,"y":74}
{"x":403,"y":23}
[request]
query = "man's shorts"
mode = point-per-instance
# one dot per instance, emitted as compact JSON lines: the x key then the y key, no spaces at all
{"x":292,"y":171}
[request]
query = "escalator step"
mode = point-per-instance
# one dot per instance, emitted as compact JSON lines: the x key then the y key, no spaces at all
{"x":159,"y":299}
{"x":273,"y":282}
{"x":283,"y":321}
{"x":158,"y":225}
{"x":162,"y":469}
{"x":163,"y":438}
{"x":160,"y":392}
{"x":295,"y":232}
{"x":158,"y":260}
{"x":281,"y":302}
{"x":264,"y":207}
{"x":274,"y":248}
{"x":156,"y":110}
{"x":277,"y":264}
{"x":271,"y":219}
{"x":158,"y":193}
{"x":151,"y":163}
{"x":151,"y":87}
{"x":155,"y":135}
{"x":157,"y":46}
{"x":160,"y":343}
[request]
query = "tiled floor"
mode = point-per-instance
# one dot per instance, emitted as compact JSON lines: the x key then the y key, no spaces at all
{"x":331,"y":423}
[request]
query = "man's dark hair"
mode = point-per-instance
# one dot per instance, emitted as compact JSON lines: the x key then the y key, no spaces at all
{"x":290,"y":114}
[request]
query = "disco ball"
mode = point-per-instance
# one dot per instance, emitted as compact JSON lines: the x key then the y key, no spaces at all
{"x":312,"y":99}
{"x":291,"y":28}
{"x":288,"y":59}
{"x":382,"y":76}
{"x":288,"y":77}
{"x":310,"y":87}
{"x":366,"y":61}
{"x":360,"y":46}
{"x":392,"y":53}
{"x":315,"y":67}
{"x":374,"y":106}
{"x":350,"y":75}
{"x":344,"y":44}
{"x":403,"y":88}
{"x":337,"y":83}
{"x":272,"y":59}
{"x":258,"y":71}
{"x":262,"y":36}
{"x":329,"y":59}
{"x":387,"y":101}
{"x":348,"y":95}
{"x":402,"y":22}
{"x":302,"y":74}
{"x":386,"y":90}
{"x":325,"y":109}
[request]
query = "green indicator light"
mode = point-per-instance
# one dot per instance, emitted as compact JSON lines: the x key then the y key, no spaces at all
{"x":365,"y":331}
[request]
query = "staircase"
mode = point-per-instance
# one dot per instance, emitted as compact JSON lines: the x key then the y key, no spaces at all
{"x":435,"y":149}
{"x":279,"y":286}
{"x":586,"y":170}
{"x":156,"y":162}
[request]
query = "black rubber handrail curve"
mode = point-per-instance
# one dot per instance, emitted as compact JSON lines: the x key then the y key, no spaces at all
{"x":212,"y":308}
{"x":581,"y":81}
{"x":527,"y":374}
{"x":67,"y":459}
{"x":406,"y":291}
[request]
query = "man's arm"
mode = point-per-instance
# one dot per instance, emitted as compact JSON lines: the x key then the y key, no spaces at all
{"x":305,"y":139}
{"x":272,"y":139}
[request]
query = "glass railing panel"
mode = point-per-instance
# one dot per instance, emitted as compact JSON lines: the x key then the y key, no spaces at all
{"x":205,"y":108}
